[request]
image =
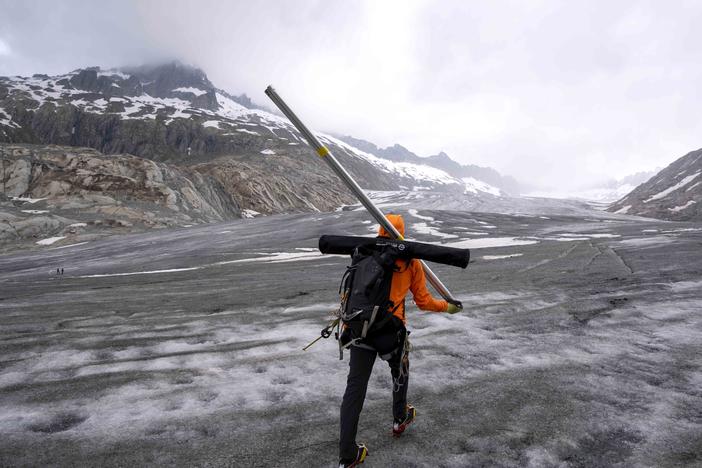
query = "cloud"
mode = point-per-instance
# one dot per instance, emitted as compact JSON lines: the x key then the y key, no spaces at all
{"x":4,"y":48}
{"x":555,"y":93}
{"x":60,"y":36}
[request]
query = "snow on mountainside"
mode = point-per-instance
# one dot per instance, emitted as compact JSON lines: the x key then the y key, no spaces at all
{"x":173,"y":113}
{"x":474,"y":186}
{"x":489,"y":180}
{"x":419,"y":172}
{"x":675,"y":193}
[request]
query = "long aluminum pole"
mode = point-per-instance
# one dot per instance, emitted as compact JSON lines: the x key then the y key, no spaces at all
{"x":325,"y":154}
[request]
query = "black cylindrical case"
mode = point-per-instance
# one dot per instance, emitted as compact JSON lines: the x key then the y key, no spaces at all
{"x":345,"y":245}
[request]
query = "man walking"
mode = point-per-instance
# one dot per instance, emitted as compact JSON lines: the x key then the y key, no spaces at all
{"x":391,"y":344}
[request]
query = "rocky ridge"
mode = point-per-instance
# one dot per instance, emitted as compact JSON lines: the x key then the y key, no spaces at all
{"x":478,"y":177}
{"x":79,"y":194}
{"x":674,"y":194}
{"x":47,"y":189}
{"x":161,"y":146}
{"x":173,"y":113}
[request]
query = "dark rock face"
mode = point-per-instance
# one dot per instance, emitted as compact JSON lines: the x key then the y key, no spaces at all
{"x":675,"y":193}
{"x":164,"y":81}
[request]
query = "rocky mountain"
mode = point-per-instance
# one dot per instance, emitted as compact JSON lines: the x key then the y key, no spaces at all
{"x":163,"y":146}
{"x":51,"y":193}
{"x":675,"y":193}
{"x":48,"y":188}
{"x":478,"y":174}
{"x":173,"y":113}
{"x":476,"y":178}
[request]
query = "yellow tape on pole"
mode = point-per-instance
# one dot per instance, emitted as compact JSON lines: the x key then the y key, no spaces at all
{"x":323,"y":151}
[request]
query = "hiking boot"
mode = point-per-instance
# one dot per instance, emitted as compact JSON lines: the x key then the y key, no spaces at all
{"x":399,"y":427}
{"x":360,"y":457}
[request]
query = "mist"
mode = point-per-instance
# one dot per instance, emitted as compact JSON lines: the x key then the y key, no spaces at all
{"x":555,"y":94}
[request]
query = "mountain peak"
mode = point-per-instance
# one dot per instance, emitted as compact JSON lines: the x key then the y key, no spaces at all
{"x":675,"y":193}
{"x":441,"y":156}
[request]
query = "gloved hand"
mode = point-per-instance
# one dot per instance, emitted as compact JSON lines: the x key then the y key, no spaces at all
{"x":454,"y":307}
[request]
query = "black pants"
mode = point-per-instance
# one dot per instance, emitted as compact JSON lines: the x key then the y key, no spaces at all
{"x":360,"y":367}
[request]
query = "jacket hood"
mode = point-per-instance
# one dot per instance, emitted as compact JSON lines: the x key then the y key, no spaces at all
{"x":397,"y":221}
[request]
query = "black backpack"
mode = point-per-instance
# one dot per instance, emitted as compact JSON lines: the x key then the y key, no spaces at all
{"x":365,"y":292}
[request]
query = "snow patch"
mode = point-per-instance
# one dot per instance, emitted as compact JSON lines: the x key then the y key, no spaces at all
{"x":682,"y":207}
{"x":268,"y":151}
{"x":675,"y":187}
{"x":414,"y":213}
{"x":27,"y":199}
{"x":623,"y":210}
{"x":486,"y":243}
{"x":475,"y":233}
{"x":191,"y":90}
{"x":249,"y":213}
{"x":151,"y":272}
{"x":322,"y":307}
{"x":243,"y":130}
{"x":35,"y":211}
{"x":6,"y":119}
{"x":422,"y":228}
{"x":50,"y":240}
{"x":211,"y":124}
{"x":500,"y":257}
{"x":473,"y":185}
{"x":651,"y":240}
{"x":229,"y":108}
{"x":683,"y":230}
{"x":593,"y":235}
{"x":278,"y":257}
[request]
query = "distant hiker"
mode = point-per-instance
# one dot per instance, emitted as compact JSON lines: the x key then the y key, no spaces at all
{"x":389,"y":340}
{"x":61,"y":270}
{"x":58,"y":271}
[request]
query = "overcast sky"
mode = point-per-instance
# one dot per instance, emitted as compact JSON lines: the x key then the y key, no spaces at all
{"x":554,"y":93}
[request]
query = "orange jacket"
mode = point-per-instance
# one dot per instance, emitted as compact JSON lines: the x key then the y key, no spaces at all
{"x":410,"y":277}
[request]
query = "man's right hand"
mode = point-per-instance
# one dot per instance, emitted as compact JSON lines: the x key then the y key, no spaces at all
{"x":454,"y":307}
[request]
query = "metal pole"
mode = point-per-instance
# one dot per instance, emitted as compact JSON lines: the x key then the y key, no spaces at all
{"x":325,"y":154}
